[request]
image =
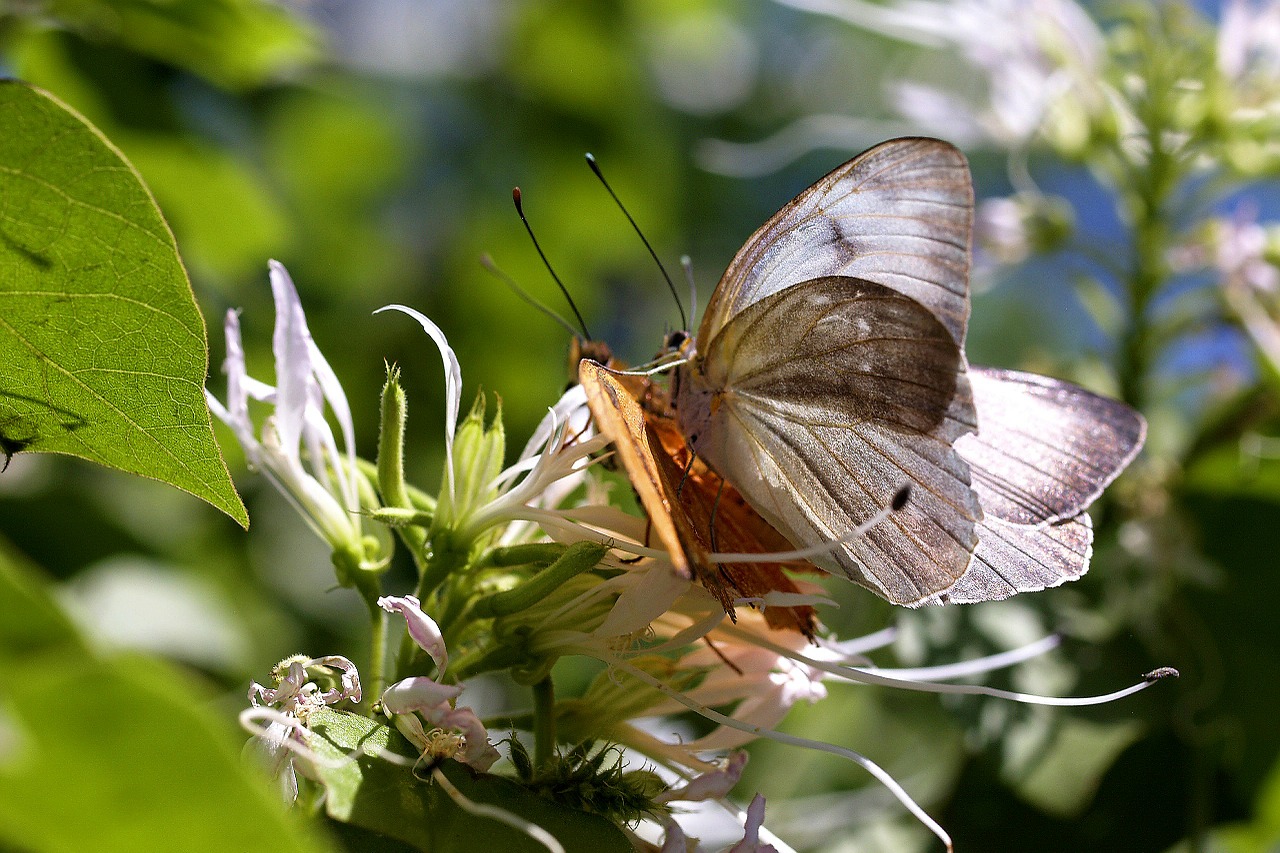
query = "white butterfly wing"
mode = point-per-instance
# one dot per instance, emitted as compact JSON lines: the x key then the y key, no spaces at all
{"x":1013,"y":558}
{"x":819,"y":403}
{"x":1044,"y":449}
{"x":899,"y":215}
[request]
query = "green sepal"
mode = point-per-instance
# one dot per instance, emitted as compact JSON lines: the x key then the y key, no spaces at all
{"x":478,"y":454}
{"x":577,"y":558}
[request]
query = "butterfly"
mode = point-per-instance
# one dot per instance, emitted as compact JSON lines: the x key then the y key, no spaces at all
{"x":828,"y":374}
{"x":693,"y":512}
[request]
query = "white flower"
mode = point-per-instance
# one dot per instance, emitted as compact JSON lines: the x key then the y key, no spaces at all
{"x":1035,"y":54}
{"x":532,"y":489}
{"x":323,"y":486}
{"x":1249,"y":41}
{"x":1240,"y":246}
{"x":281,"y":747}
{"x":1241,"y":249}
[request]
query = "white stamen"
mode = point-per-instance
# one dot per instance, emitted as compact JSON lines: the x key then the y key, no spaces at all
{"x":716,"y":717}
{"x":865,"y":676}
{"x":976,"y":666}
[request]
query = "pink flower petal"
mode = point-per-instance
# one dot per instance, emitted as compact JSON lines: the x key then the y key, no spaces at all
{"x":422,"y":628}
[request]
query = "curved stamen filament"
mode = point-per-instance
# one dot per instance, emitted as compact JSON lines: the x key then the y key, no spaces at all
{"x":867,"y":764}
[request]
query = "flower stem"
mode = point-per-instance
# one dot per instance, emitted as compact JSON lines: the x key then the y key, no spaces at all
{"x":1147,"y":186}
{"x":544,"y":722}
{"x":378,"y":653}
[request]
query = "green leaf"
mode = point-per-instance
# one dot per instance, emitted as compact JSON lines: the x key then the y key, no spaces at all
{"x":1066,"y":775}
{"x":29,"y":620}
{"x":371,"y":792}
{"x":103,"y":349}
{"x":116,"y":752}
{"x":234,"y":43}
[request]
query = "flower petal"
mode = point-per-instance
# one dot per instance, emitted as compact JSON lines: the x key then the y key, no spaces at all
{"x":234,"y":366}
{"x":421,"y":694}
{"x":422,"y":628}
{"x":647,"y":595}
{"x":479,"y":753}
{"x":673,"y":839}
{"x":289,"y":343}
{"x":571,"y":408}
{"x":750,"y":842}
{"x":714,"y":785}
{"x":337,"y":400}
{"x":452,"y":380}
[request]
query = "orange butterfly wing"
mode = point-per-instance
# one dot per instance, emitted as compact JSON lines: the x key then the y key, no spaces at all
{"x":682,"y":506}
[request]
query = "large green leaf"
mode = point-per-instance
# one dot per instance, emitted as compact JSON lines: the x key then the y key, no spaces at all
{"x":373,"y":793}
{"x":102,"y":349}
{"x":116,"y":753}
{"x":234,"y":43}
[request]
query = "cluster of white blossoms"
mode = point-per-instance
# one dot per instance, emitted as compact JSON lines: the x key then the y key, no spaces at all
{"x":602,"y":592}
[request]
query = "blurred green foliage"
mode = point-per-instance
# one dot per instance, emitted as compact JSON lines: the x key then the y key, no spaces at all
{"x":372,"y":148}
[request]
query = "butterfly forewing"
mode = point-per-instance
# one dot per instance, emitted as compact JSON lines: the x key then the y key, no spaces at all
{"x":1044,"y":449}
{"x":898,"y":215}
{"x":691,"y":510}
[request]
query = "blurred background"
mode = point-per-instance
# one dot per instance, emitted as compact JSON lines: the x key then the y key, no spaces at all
{"x":372,"y":145}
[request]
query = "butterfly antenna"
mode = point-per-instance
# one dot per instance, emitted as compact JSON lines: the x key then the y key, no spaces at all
{"x":492,"y":268}
{"x":515,"y":196}
{"x":595,"y":167}
{"x":686,"y":264}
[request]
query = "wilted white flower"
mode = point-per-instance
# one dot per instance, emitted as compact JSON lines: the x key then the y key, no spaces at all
{"x":423,"y":709}
{"x":281,"y":746}
{"x":295,"y":447}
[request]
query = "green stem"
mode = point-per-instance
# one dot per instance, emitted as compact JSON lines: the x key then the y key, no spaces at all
{"x":1150,"y":186}
{"x":378,"y":652}
{"x":446,"y":558}
{"x":544,"y":722}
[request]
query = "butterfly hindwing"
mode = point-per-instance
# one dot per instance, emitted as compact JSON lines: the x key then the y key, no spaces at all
{"x":1013,"y":558}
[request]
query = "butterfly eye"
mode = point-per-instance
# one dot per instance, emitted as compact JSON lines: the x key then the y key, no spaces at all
{"x":675,"y":340}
